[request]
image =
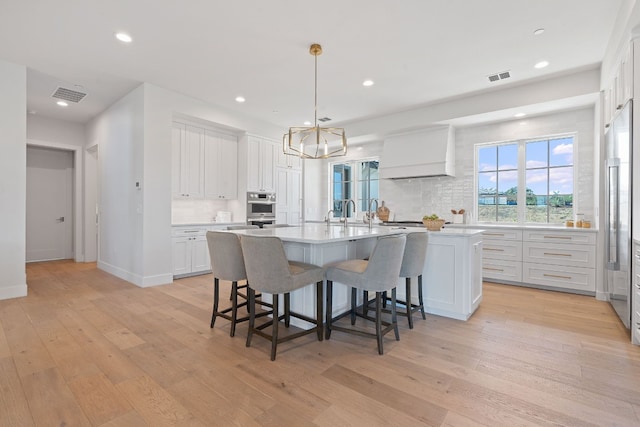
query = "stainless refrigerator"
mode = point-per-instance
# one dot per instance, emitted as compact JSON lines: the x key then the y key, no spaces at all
{"x":618,"y":213}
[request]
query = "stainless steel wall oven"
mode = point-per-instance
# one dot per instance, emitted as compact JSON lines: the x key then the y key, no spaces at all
{"x":261,"y":208}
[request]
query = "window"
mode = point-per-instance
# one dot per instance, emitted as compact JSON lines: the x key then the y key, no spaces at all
{"x":356,"y":180}
{"x":526,"y":181}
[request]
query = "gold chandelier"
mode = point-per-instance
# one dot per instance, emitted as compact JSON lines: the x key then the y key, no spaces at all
{"x":315,"y":142}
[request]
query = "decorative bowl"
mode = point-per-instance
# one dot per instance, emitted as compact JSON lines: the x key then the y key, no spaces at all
{"x":433,"y":224}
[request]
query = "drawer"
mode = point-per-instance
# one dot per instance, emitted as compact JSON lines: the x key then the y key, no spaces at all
{"x":188,"y":231}
{"x":559,"y":254}
{"x":506,"y":250}
{"x":583,"y":279}
{"x":501,"y":270}
{"x":566,"y":237}
{"x":502,"y":234}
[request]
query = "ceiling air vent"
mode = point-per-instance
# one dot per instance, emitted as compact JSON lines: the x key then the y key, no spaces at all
{"x":324,"y":119}
{"x":499,"y":76}
{"x":68,"y":95}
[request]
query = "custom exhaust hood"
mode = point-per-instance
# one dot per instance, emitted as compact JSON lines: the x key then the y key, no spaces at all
{"x":425,"y":153}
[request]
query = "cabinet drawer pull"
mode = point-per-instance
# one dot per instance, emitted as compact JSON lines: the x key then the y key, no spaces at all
{"x":493,"y":234}
{"x":492,"y":269}
{"x":558,"y":237}
{"x":555,"y":254}
{"x":493,"y":249}
{"x":557,"y":276}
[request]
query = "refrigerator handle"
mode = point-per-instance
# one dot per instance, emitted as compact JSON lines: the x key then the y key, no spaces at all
{"x":613,"y":214}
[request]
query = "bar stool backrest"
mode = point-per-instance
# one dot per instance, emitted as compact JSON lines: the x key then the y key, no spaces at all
{"x":225,"y":252}
{"x":267,"y":264}
{"x":383,"y":268}
{"x":415,"y":254}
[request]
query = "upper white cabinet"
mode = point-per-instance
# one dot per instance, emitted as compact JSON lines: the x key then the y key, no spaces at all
{"x":204,"y":163}
{"x":289,"y":198}
{"x":220,"y":166}
{"x":620,"y":88}
{"x":286,"y":161}
{"x":187,"y":172}
{"x":260,"y":164}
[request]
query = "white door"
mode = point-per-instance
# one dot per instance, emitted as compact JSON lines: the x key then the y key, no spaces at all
{"x":49,"y":204}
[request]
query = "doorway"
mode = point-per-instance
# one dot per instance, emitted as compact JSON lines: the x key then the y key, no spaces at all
{"x":50,"y":219}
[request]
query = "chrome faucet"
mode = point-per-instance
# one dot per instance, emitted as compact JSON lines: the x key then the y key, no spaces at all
{"x":345,"y":204}
{"x":328,"y":217}
{"x":372,"y":213}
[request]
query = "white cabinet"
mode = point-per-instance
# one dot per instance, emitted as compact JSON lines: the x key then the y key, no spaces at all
{"x":288,"y":196}
{"x":502,"y":255}
{"x":287,"y":161}
{"x":635,"y":295}
{"x":620,"y":87}
{"x":220,"y":166}
{"x":190,"y":251}
{"x":187,"y":171}
{"x":260,"y":164}
{"x":452,"y":275}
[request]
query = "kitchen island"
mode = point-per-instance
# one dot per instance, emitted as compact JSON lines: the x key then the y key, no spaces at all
{"x":452,"y":275}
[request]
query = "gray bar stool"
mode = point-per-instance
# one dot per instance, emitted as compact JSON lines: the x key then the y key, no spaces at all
{"x":379,"y":273}
{"x":413,"y":260}
{"x":227,"y":264}
{"x":269,"y":271}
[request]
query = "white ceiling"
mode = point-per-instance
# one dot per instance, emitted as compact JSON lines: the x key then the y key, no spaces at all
{"x":416,"y":51}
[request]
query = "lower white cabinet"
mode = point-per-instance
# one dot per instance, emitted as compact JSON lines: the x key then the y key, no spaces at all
{"x":562,"y":259}
{"x":190,"y":251}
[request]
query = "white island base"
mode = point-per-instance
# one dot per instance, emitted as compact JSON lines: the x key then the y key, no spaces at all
{"x":451,"y":279}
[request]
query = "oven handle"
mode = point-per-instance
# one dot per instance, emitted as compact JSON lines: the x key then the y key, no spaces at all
{"x":261,"y":203}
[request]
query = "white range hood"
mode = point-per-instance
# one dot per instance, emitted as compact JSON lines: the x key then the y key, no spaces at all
{"x":426,"y":153}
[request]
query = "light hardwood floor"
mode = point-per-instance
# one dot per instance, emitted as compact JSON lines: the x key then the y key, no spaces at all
{"x":85,"y":348}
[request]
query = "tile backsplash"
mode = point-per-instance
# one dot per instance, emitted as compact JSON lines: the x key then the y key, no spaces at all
{"x":196,"y":211}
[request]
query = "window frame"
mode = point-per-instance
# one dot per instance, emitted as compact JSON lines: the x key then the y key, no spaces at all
{"x":522,"y":173}
{"x":356,"y":179}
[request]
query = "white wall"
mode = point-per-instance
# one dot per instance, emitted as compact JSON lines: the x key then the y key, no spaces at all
{"x":56,"y":131}
{"x":13,"y":175}
{"x":120,"y":132}
{"x":410,"y":199}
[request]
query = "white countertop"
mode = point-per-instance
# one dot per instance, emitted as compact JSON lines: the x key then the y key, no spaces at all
{"x":541,"y":227}
{"x":320,"y":233}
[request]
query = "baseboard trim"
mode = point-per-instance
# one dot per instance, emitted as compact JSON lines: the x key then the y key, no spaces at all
{"x":10,"y":292}
{"x":136,"y":279}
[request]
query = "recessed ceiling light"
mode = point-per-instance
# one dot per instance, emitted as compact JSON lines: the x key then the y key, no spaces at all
{"x":519,"y":114}
{"x":367,"y":83}
{"x":240,"y":99}
{"x":538,"y":31}
{"x":307,"y":123}
{"x":62,"y":104}
{"x":124,"y":37}
{"x":541,"y":64}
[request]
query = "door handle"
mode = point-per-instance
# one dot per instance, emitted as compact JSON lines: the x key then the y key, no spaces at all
{"x":61,"y":219}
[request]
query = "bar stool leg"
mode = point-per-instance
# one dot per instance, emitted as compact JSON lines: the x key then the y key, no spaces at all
{"x":408,"y":300}
{"x":216,"y":297}
{"x":319,"y":330}
{"x":274,"y":332}
{"x":234,"y":307}
{"x":420,"y":301}
{"x":354,"y":296}
{"x":287,"y":309}
{"x":365,"y":303}
{"x":329,"y":309}
{"x":394,"y":317}
{"x":252,"y":316}
{"x":379,"y":321}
